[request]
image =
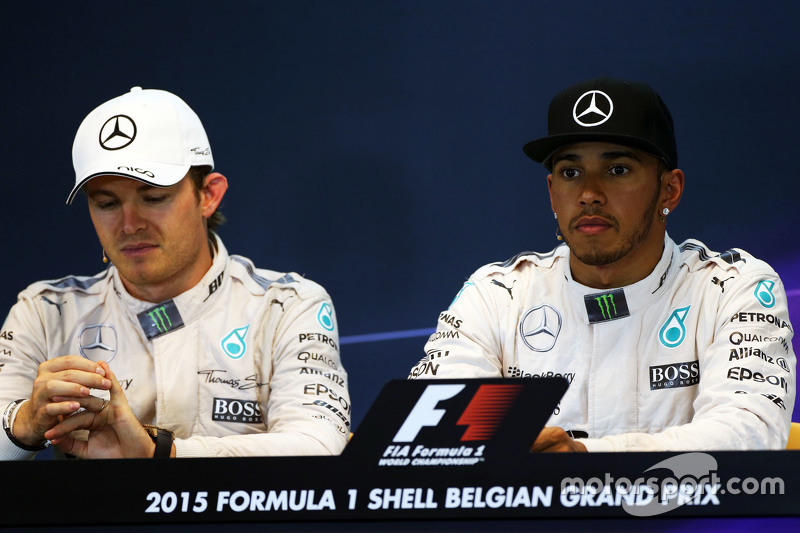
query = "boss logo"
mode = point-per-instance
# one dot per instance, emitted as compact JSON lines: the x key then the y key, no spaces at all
{"x":674,"y":375}
{"x":233,"y":410}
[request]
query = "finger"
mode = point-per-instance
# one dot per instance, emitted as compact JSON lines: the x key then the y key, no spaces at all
{"x":62,"y":407}
{"x":81,"y":420}
{"x":67,"y":362}
{"x":71,"y":445}
{"x":53,"y":388}
{"x":90,"y":403}
{"x":117,"y":394}
{"x":91,"y":380}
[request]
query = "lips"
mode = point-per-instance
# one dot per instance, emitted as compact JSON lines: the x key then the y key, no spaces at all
{"x":137,"y":249}
{"x":592,"y":225}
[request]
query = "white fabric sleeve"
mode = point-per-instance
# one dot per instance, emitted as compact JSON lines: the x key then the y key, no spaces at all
{"x":466,"y":343}
{"x":307,"y":413}
{"x":746,"y":398}
{"x":22,"y":349}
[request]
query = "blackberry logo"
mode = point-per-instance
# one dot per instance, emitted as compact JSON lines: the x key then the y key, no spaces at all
{"x":514,"y":372}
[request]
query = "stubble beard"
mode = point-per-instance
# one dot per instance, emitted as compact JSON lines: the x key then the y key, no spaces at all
{"x":594,"y":256}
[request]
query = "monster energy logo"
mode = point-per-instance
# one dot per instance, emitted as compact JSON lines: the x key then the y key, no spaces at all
{"x":606,"y":306}
{"x":604,"y":301}
{"x":160,"y":319}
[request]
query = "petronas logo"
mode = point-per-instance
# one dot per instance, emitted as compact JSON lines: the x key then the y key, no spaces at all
{"x":233,"y":344}
{"x":764,"y":294}
{"x":673,"y":331}
{"x":325,"y":316}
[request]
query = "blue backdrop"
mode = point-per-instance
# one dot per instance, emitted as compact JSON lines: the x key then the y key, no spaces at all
{"x":376,"y":147}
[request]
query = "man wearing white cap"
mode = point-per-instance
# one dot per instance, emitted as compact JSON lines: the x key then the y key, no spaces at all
{"x":177,"y":348}
{"x":664,"y":346}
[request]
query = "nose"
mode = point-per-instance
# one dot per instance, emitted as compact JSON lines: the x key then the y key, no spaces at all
{"x":132,"y":221}
{"x":592,"y":191}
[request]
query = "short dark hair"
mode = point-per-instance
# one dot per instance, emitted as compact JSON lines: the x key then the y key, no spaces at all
{"x":198,"y":175}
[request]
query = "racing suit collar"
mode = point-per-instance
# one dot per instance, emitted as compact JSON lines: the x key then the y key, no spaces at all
{"x":638,"y":295}
{"x":190,"y":304}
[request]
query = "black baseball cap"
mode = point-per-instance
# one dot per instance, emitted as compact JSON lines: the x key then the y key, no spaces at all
{"x":607,"y":109}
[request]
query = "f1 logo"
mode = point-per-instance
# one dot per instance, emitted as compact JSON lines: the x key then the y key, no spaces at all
{"x":424,"y":412}
{"x":482,"y":416}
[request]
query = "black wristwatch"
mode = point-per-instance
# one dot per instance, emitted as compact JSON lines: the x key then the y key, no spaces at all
{"x":163,"y":439}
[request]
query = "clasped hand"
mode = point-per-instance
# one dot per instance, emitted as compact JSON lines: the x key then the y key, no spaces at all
{"x":61,"y":402}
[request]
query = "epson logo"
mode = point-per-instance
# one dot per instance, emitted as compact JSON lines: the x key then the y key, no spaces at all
{"x":233,"y":410}
{"x":674,"y":375}
{"x":485,"y":412}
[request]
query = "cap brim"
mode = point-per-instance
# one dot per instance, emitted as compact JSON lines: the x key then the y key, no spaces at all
{"x":542,"y":150}
{"x":155,"y":174}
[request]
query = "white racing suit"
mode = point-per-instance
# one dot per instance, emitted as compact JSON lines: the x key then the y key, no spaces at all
{"x":244,"y":363}
{"x":696,"y":356}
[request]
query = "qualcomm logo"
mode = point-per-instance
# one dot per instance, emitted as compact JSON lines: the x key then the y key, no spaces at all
{"x":325,"y":316}
{"x":233,"y":344}
{"x":673,"y":331}
{"x":764,"y":294}
{"x":540,"y":327}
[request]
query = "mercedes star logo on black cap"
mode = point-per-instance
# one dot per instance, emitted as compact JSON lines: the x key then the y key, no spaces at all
{"x":596,"y":108}
{"x":118,"y":132}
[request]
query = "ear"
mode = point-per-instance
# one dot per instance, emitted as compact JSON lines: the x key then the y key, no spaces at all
{"x":550,"y":191}
{"x":214,"y":188}
{"x":672,"y":183}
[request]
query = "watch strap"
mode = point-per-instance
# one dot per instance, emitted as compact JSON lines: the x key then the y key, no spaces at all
{"x":163,"y":440}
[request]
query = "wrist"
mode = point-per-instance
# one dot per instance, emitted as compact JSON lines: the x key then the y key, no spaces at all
{"x":162,"y":441}
{"x":10,"y":416}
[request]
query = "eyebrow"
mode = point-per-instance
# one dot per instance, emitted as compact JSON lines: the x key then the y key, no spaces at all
{"x":605,"y":156}
{"x":619,"y":154}
{"x":144,"y":187}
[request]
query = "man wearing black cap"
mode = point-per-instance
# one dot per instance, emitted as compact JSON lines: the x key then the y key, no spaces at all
{"x":665,"y":346}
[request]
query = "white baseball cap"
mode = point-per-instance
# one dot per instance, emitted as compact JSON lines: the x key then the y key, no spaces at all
{"x":148,"y":135}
